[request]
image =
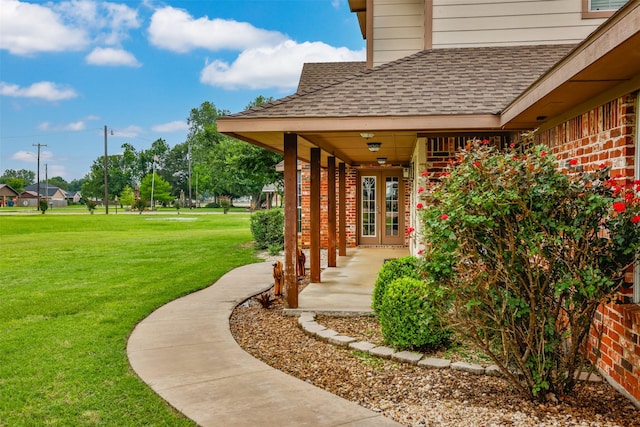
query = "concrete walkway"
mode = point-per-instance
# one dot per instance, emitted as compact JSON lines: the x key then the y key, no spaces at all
{"x":186,"y":353}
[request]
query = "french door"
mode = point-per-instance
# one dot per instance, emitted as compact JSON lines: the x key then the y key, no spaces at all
{"x":381,"y":207}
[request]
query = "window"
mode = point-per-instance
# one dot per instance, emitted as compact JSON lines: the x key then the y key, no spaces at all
{"x":598,"y":5}
{"x":600,"y":8}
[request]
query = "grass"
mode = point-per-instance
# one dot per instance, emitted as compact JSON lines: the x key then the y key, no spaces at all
{"x":73,"y":287}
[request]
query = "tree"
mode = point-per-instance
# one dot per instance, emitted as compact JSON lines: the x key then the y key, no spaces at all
{"x":27,"y":176}
{"x":18,"y":179}
{"x":118,"y":177}
{"x":127,"y":197}
{"x":161,"y":189}
{"x":529,"y":253}
{"x":58,"y":181}
{"x":76,"y":184}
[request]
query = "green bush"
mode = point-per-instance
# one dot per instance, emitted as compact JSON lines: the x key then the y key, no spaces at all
{"x":410,"y":314}
{"x":267,"y":228}
{"x":391,"y":270}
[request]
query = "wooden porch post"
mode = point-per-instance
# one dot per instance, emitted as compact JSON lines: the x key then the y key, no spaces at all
{"x":290,"y":218}
{"x":331,"y":211}
{"x":342,"y":209}
{"x":314,"y":262}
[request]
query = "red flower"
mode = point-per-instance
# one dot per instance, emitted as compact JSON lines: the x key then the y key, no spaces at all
{"x":544,"y":153}
{"x":636,"y":182}
{"x":602,"y":166}
{"x":476,"y":164}
{"x":444,"y":217}
{"x":410,"y":230}
{"x":420,"y":190}
{"x":628,"y":197}
{"x":573,"y":162}
{"x":619,"y":207}
{"x":635,"y":219}
{"x":421,"y":251}
{"x":424,"y":173}
{"x":419,"y":206}
{"x":485,"y":141}
{"x":512,"y":145}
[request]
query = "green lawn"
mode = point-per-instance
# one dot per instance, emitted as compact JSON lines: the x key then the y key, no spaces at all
{"x":73,"y":287}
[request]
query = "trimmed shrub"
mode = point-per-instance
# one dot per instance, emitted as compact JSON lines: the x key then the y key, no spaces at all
{"x":391,"y":270}
{"x":267,"y":228}
{"x":410,"y":314}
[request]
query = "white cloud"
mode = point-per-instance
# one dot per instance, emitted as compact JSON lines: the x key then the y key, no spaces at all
{"x":277,"y":66}
{"x":31,"y":156}
{"x":29,"y":28}
{"x":113,"y":57}
{"x":174,"y":126}
{"x":128,"y":132}
{"x":74,"y":126}
{"x":57,"y":170}
{"x":48,"y":91}
{"x":174,"y":29}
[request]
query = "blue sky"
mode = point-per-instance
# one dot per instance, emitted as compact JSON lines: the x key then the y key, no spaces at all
{"x":68,"y":68}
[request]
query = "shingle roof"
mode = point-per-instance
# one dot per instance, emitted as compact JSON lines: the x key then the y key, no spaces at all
{"x":318,"y":74}
{"x":432,"y":82}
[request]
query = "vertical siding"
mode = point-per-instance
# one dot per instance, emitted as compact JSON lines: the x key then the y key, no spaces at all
{"x":470,"y":23}
{"x":398,"y":29}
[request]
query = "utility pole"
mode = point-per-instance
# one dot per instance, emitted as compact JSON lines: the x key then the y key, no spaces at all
{"x":189,"y":180}
{"x":106,"y":183}
{"x":38,"y":178}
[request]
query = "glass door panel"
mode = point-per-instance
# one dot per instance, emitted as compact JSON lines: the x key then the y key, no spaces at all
{"x":392,"y":204}
{"x":368,"y":208}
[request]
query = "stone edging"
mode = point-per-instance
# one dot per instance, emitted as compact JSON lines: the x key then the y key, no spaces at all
{"x":307,"y":322}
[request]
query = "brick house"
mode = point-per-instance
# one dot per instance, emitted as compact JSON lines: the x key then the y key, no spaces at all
{"x":438,"y":73}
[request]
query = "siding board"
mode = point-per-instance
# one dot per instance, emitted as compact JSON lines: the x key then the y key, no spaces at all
{"x":460,"y":23}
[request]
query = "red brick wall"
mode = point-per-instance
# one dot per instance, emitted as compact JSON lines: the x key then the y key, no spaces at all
{"x":351,"y":222}
{"x":605,"y":135}
{"x":304,"y":235}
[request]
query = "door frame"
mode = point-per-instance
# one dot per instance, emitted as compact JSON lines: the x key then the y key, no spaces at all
{"x":380,"y":238}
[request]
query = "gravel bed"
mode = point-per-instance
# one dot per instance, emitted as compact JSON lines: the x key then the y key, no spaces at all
{"x":413,"y":396}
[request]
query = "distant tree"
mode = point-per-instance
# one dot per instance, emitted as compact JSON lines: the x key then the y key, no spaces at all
{"x":127,"y":197}
{"x":58,"y":181}
{"x":15,"y":183}
{"x":161,"y":189}
{"x":118,"y":177}
{"x":226,"y":166}
{"x":27,"y":176}
{"x":76,"y":184}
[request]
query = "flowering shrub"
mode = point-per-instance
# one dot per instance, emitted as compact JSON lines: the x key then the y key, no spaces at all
{"x":528,"y":252}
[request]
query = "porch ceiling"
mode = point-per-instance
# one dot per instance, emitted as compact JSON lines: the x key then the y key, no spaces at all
{"x":341,"y":137}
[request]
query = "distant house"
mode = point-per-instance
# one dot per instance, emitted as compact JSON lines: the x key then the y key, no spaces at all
{"x":8,"y":195}
{"x":73,"y":196}
{"x":55,"y":196}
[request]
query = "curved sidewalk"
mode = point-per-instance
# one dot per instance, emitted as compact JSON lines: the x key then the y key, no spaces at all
{"x":186,"y":353}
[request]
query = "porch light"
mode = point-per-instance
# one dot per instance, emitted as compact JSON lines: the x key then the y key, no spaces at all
{"x":374,"y":146}
{"x":382,"y":160}
{"x":367,"y":135}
